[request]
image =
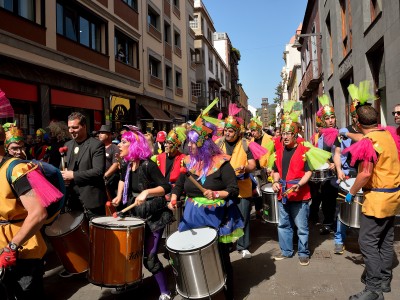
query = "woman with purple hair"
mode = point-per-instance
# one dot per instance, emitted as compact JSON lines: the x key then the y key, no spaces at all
{"x":143,"y":183}
{"x":215,"y":207}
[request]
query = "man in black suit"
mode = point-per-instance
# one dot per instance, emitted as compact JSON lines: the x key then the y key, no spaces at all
{"x":85,"y":169}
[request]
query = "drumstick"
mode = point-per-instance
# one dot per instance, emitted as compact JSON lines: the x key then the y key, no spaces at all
{"x":198,"y":185}
{"x":288,"y":191}
{"x":121,"y":213}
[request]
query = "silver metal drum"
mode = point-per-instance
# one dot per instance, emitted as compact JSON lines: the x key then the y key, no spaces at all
{"x":270,"y":204}
{"x":350,"y":213}
{"x":322,"y":173}
{"x":196,"y":262}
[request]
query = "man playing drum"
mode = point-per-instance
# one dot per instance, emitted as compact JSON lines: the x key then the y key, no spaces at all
{"x":291,"y":173}
{"x":379,"y":177}
{"x":326,"y":192}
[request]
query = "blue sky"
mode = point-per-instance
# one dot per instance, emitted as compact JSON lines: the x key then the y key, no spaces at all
{"x":260,"y":29}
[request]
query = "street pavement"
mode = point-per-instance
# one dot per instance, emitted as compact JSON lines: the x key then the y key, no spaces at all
{"x":328,"y":276}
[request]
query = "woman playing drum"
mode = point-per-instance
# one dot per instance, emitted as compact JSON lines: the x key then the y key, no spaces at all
{"x":142,"y":183}
{"x":213,"y":205}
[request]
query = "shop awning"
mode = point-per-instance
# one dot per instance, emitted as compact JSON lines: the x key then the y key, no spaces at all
{"x":155,"y":114}
{"x":176,"y":117}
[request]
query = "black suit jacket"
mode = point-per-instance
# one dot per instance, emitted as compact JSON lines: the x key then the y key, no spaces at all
{"x":89,"y":171}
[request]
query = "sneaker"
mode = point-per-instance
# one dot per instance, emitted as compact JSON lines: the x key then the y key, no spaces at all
{"x":385,"y":285}
{"x":367,"y":295}
{"x":64,"y":274}
{"x":304,"y":260}
{"x":245,"y":253}
{"x":279,"y":257}
{"x":339,"y":249}
{"x":164,"y":297}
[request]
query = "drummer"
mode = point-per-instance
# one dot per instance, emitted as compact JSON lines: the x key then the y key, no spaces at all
{"x":344,"y":170}
{"x":325,"y":191}
{"x":143,"y":184}
{"x":215,"y":207}
{"x":291,"y":172}
{"x":379,"y":177}
{"x":262,"y":139}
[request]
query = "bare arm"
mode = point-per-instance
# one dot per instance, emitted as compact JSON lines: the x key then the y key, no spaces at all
{"x":338,"y":163}
{"x":364,"y":174}
{"x":37,"y":215}
{"x":114,"y":168}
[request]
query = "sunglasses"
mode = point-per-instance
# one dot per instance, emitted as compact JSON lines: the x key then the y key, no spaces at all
{"x":395,"y":113}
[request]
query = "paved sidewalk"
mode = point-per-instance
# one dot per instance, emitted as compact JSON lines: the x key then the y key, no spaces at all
{"x":328,"y":276}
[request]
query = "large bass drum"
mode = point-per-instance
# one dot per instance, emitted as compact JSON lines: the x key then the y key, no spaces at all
{"x":270,"y":204}
{"x":69,"y":236}
{"x":116,"y":251}
{"x":196,"y":262}
{"x":322,"y":173}
{"x":350,"y":213}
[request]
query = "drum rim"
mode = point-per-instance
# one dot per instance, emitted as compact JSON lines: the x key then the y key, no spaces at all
{"x":83,"y":218}
{"x":112,"y":218}
{"x":192,"y":250}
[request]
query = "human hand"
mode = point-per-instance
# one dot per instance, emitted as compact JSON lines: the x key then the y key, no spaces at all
{"x":349,"y":198}
{"x":295,"y":187}
{"x":276,"y":187}
{"x":209,"y":194}
{"x":172,"y":205}
{"x":340,"y":175}
{"x":116,"y":201}
{"x":141,"y":198}
{"x":332,"y":167}
{"x":8,"y":257}
{"x":67,"y":175}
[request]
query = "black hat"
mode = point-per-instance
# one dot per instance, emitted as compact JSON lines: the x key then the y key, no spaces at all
{"x":105,"y":128}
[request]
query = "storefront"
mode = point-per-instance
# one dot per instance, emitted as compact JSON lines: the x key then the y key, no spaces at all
{"x":154,"y":119}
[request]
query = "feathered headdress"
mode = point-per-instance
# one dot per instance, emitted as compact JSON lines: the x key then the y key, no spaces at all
{"x":255,"y":123}
{"x":289,"y":118}
{"x":326,"y":109}
{"x":13,"y":134}
{"x":177,"y":136}
{"x":360,"y":95}
{"x":232,"y":121}
{"x":200,"y":126}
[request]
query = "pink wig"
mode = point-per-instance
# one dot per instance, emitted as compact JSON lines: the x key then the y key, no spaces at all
{"x":139,"y":148}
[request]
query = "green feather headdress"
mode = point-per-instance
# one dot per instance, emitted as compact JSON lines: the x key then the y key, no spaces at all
{"x":362,"y":93}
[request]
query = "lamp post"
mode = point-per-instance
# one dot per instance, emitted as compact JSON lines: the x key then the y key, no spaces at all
{"x":298,"y":45}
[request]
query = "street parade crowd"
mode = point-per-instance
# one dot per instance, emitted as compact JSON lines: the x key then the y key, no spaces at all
{"x":195,"y":186}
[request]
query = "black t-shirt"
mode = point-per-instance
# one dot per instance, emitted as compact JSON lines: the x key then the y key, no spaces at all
{"x":286,"y":158}
{"x":337,"y":144}
{"x":230,"y":146}
{"x":168,"y":166}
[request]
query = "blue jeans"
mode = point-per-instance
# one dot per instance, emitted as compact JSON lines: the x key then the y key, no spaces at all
{"x":290,"y":214}
{"x":340,"y":234}
{"x":243,"y":242}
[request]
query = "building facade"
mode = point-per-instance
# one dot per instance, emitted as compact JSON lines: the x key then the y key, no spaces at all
{"x":117,"y":61}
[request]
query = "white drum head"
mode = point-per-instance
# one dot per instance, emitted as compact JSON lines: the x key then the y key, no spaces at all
{"x":267,"y":188}
{"x":350,"y":182}
{"x":117,"y":222}
{"x":191,"y":239}
{"x":323,"y":167}
{"x":64,"y":223}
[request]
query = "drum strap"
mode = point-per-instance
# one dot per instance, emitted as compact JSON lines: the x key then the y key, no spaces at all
{"x":391,"y":190}
{"x":284,"y":184}
{"x":3,"y":222}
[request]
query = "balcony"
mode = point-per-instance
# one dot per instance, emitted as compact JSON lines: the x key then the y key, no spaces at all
{"x":194,"y":99}
{"x":155,"y":81}
{"x":154,"y":32}
{"x":167,"y":8}
{"x":178,"y":91}
{"x":177,"y":12}
{"x":178,"y":51}
{"x":127,"y":70}
{"x":168,"y":51}
{"x":311,"y":79}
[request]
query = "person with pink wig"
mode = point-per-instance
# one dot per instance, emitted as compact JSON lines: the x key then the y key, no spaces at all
{"x":142,"y":183}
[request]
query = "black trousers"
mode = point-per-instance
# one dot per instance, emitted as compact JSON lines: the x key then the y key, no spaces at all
{"x":325,"y":193}
{"x":23,"y":281}
{"x":224,"y":250}
{"x":376,"y":244}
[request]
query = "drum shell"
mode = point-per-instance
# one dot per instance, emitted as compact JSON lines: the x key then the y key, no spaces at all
{"x":116,"y":255}
{"x":71,"y":247}
{"x":350,"y":213}
{"x":321,"y":175}
{"x":198,"y":273}
{"x":270,"y":206}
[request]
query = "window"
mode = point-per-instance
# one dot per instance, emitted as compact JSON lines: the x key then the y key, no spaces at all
{"x":153,"y":18}
{"x":177,"y":39}
{"x":167,"y":33}
{"x":22,"y":8}
{"x":210,"y":64}
{"x":198,"y":56}
{"x":194,"y":23}
{"x":376,"y":8}
{"x":176,"y":3}
{"x":168,"y":77}
{"x":178,"y":79}
{"x":154,"y":67}
{"x":346,"y":26}
{"x":79,"y":26}
{"x":126,"y":49}
{"x":330,"y":50}
{"x":196,"y":89}
{"x":222,"y":77}
{"x":131,"y":3}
